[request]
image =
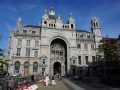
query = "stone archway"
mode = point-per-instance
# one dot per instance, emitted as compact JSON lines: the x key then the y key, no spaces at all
{"x":58,"y":53}
{"x":57,"y":68}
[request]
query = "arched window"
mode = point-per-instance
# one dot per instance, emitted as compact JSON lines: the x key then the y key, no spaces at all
{"x":26,"y":64}
{"x":35,"y":67}
{"x":45,"y":22}
{"x":17,"y":67}
{"x":63,"y":26}
{"x":96,"y":24}
{"x":71,"y":26}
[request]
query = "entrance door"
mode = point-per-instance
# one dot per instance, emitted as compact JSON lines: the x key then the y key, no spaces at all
{"x":57,"y":68}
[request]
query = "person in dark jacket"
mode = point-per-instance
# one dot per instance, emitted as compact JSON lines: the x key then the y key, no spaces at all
{"x":53,"y":80}
{"x":32,"y":78}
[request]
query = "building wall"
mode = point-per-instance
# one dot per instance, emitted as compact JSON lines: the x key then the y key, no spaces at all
{"x":45,"y":34}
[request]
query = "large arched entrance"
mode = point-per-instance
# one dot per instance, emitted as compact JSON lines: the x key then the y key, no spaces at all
{"x":58,"y":56}
{"x":57,"y":68}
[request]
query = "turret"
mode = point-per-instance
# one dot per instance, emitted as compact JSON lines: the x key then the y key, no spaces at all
{"x":95,"y":28}
{"x":71,"y":22}
{"x":19,"y":22}
{"x":45,"y":18}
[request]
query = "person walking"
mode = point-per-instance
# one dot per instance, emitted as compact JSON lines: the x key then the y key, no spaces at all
{"x":53,"y":80}
{"x":47,"y":79}
{"x":32,"y":78}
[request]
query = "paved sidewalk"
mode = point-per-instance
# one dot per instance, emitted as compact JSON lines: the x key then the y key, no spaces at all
{"x":59,"y":86}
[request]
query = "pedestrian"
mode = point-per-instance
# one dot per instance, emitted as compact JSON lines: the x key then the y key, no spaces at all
{"x":53,"y":80}
{"x":32,"y":78}
{"x":47,"y":79}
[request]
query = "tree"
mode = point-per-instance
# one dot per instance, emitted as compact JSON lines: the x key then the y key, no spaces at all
{"x":107,"y":54}
{"x":2,"y":57}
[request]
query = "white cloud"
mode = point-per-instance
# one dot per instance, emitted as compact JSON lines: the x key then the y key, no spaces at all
{"x":28,"y":7}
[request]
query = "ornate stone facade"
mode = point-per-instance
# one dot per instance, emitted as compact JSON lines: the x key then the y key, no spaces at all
{"x":53,"y":46}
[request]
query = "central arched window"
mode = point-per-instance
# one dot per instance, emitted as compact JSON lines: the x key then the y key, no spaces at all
{"x":35,"y":67}
{"x":17,"y":67}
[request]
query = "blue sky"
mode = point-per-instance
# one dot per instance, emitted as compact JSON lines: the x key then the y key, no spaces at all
{"x":31,"y":11}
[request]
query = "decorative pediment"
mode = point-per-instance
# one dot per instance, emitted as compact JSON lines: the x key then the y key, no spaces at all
{"x":43,"y":57}
{"x":73,"y":57}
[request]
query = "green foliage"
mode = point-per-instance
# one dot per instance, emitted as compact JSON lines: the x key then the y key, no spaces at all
{"x":2,"y":57}
{"x":107,"y":50}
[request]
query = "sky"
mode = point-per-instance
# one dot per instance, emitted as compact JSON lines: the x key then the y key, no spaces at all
{"x":31,"y":12}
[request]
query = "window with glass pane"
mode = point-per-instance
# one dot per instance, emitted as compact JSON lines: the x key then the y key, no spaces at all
{"x":79,"y":46}
{"x":79,"y":59}
{"x":24,"y":31}
{"x":61,"y":55}
{"x":28,"y":43}
{"x":35,"y":67}
{"x":73,"y":61}
{"x":52,"y":54}
{"x":36,"y":53}
{"x":27,"y":51}
{"x":26,"y":65}
{"x":19,"y":41}
{"x":17,"y":67}
{"x":33,"y":32}
{"x":86,"y":59}
{"x":43,"y":61}
{"x":18,"y":51}
{"x":92,"y":47}
{"x":36,"y":43}
{"x":85,"y":46}
{"x":57,"y":55}
{"x":93,"y":59}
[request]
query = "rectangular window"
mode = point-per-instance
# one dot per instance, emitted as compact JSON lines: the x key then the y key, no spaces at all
{"x":28,"y":43}
{"x":57,"y":55}
{"x":85,"y":46}
{"x":61,"y":55}
{"x":79,"y":46}
{"x":93,"y":60}
{"x":73,"y":61}
{"x":36,"y":43}
{"x":18,"y":51}
{"x":52,"y":54}
{"x":24,"y":31}
{"x":33,"y":32}
{"x":27,"y":51}
{"x":43,"y":61}
{"x":86,"y":59}
{"x":35,"y":53}
{"x":19,"y":41}
{"x":79,"y":59}
{"x":92,"y":47}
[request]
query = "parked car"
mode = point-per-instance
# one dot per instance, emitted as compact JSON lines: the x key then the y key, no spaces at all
{"x":77,"y":77}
